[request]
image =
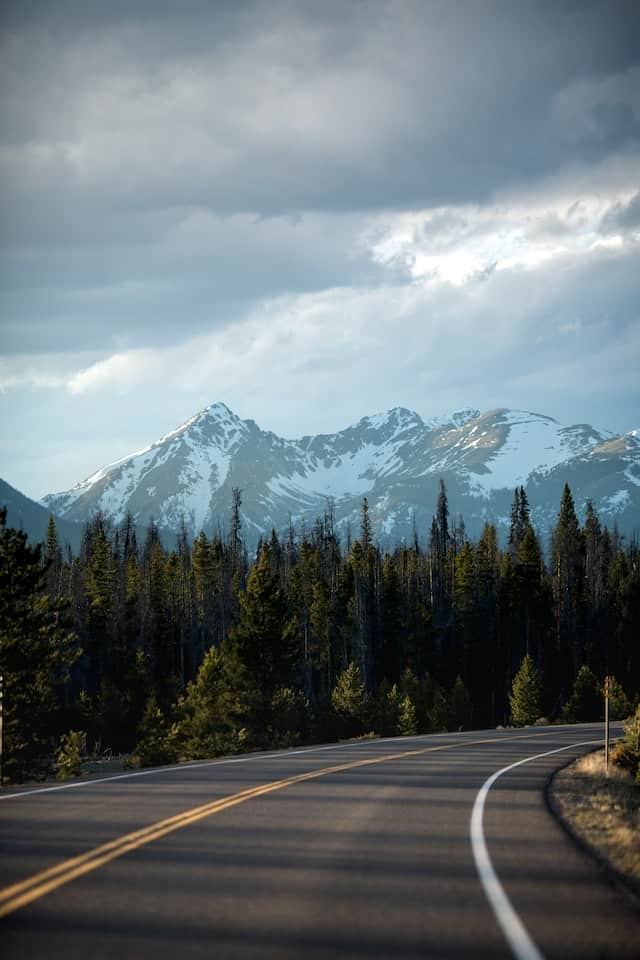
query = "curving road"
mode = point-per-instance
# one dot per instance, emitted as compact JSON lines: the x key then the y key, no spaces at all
{"x":352,"y":850}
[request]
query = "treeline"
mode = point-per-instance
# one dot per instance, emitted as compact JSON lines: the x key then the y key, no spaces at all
{"x":195,"y":651}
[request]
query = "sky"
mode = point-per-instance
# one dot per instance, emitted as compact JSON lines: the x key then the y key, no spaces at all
{"x":311,"y":212}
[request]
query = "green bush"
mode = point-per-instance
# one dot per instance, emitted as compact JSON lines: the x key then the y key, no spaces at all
{"x":627,"y":753}
{"x":70,"y":753}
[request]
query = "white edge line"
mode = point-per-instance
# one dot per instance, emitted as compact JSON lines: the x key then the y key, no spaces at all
{"x":522,"y":946}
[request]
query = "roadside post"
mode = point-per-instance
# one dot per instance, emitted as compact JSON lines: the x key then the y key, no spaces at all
{"x":606,"y":725}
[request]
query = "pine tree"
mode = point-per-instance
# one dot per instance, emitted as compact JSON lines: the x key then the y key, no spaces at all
{"x":212,"y":711}
{"x":153,"y":747}
{"x":619,"y":703}
{"x":53,"y":559}
{"x":99,"y":590}
{"x":461,"y":712}
{"x":442,"y":517}
{"x":365,"y":526}
{"x":514,"y":527}
{"x":485,"y":664}
{"x":351,"y":701}
{"x":526,"y":695}
{"x":586,"y":700}
{"x":387,"y":709}
{"x":439,"y":712}
{"x":627,"y":753}
{"x":265,"y":640}
{"x":567,"y":563}
{"x":408,"y":721}
{"x":36,"y":651}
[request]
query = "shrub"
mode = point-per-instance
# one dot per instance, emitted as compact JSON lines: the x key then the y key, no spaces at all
{"x":69,"y":756}
{"x":627,"y":753}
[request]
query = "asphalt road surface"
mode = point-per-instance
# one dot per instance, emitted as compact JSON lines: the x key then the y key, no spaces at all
{"x":353,"y":850}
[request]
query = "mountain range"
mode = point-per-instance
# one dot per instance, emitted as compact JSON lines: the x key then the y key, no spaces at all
{"x":396,"y":459}
{"x":33,"y":518}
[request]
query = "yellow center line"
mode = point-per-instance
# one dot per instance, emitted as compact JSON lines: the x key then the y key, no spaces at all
{"x":20,"y":894}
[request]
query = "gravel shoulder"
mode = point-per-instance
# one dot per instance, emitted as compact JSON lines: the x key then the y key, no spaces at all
{"x":603,"y":813}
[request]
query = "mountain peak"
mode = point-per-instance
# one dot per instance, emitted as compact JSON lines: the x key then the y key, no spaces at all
{"x":396,"y":416}
{"x":219,"y":410}
{"x":395,"y":458}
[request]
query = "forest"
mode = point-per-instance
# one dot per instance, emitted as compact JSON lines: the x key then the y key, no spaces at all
{"x":166,"y":655}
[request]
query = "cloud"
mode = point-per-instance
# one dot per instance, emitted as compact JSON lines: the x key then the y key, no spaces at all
{"x":457,"y":244}
{"x":496,"y":340}
{"x":353,"y":205}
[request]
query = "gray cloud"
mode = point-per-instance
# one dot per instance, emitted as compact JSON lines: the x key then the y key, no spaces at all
{"x":171,"y":170}
{"x":118,"y":125}
{"x":623,"y":216}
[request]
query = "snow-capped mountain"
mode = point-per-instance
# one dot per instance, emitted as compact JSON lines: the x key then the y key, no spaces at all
{"x":395,"y":459}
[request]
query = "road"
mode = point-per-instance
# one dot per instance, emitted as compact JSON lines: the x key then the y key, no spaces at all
{"x":358,"y":850}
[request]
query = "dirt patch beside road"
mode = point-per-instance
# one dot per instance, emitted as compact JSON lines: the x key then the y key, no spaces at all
{"x":603,"y":812}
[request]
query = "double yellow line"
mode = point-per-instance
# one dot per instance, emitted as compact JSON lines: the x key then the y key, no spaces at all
{"x":21,"y":894}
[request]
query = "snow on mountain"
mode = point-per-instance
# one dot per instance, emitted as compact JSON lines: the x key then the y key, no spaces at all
{"x":395,"y":458}
{"x":530,"y":444}
{"x":177,"y":474}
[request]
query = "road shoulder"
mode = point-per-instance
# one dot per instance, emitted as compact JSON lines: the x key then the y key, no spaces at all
{"x":602,"y":816}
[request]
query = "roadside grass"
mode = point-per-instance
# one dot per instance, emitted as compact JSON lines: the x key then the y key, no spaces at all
{"x":603,"y":811}
{"x":109,"y":765}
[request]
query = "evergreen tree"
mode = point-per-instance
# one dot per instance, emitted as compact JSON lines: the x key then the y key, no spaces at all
{"x":485,"y":661}
{"x":408,"y":720}
{"x":460,"y":711}
{"x":351,"y":701}
{"x":36,"y":652}
{"x":291,"y":717}
{"x":153,"y":747}
{"x":442,"y":517}
{"x":265,"y":640}
{"x":211,"y":712}
{"x":99,"y":595}
{"x":520,"y":520}
{"x":526,"y":695}
{"x":627,"y":753}
{"x":619,"y":703}
{"x":53,"y":560}
{"x":365,"y":526}
{"x":586,"y":700}
{"x":439,"y":712}
{"x":387,"y":710}
{"x":567,"y":560}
